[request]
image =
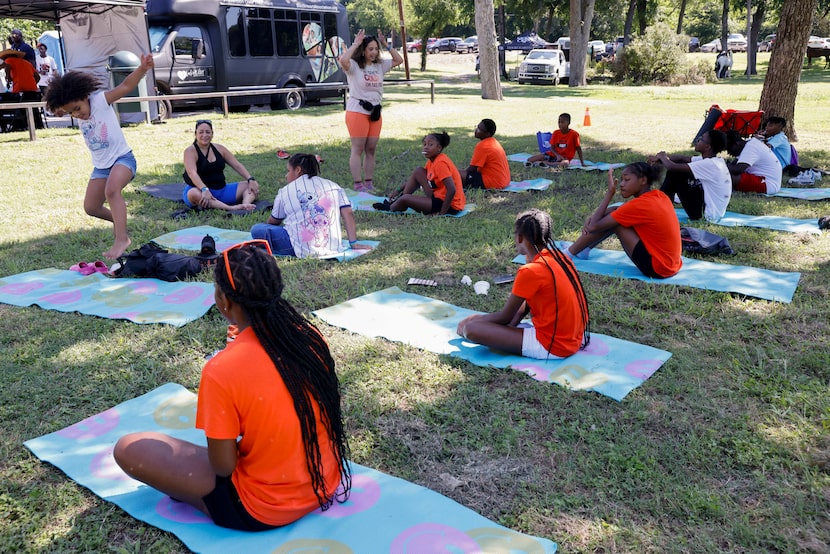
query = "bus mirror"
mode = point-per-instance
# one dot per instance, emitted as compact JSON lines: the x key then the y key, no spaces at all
{"x":197,"y":49}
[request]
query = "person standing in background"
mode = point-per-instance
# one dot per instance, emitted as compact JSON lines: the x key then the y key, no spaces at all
{"x":46,"y":67}
{"x":17,"y":43}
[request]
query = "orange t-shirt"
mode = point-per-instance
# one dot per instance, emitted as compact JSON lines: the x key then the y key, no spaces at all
{"x":439,"y":169}
{"x":564,"y":144}
{"x":22,"y":74}
{"x":553,"y":302}
{"x":491,"y":161}
{"x":653,"y":217}
{"x":241,"y":394}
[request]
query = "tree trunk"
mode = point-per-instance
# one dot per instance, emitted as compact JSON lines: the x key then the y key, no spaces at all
{"x":582,"y":13}
{"x":724,"y":26}
{"x":641,"y":15}
{"x":755,"y":33}
{"x":488,"y":53}
{"x":680,"y":17}
{"x":781,"y":83}
{"x":629,"y":21}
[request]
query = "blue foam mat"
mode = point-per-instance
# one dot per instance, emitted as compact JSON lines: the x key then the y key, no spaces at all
{"x":779,"y":286}
{"x":191,"y":239}
{"x":774,"y":222}
{"x":522,"y":157}
{"x":383,"y":513}
{"x":609,"y":366}
{"x":363,"y":201}
{"x":803,"y":193}
{"x":137,"y":300}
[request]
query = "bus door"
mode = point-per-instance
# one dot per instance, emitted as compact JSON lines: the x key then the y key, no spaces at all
{"x":192,"y":70}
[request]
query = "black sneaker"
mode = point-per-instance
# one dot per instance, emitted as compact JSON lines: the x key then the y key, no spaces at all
{"x":384,"y":206}
{"x":824,"y":222}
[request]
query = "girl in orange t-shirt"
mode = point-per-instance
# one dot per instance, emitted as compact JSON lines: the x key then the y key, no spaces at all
{"x":438,"y":179}
{"x":548,"y":287}
{"x":646,"y":225}
{"x":269,"y":404}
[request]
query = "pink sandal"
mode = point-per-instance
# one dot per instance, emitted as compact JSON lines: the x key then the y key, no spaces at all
{"x":83,"y":268}
{"x":100,"y":267}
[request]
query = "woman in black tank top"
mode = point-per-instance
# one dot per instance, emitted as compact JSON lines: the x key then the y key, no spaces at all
{"x":204,"y":171}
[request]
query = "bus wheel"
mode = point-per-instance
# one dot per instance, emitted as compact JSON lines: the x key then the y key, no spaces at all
{"x":165,"y":109}
{"x":293,"y":100}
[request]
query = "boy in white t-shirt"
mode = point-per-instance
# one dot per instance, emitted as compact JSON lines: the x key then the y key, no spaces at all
{"x":756,"y":169}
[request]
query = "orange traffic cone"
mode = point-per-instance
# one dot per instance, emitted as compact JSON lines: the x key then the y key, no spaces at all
{"x":586,"y":121}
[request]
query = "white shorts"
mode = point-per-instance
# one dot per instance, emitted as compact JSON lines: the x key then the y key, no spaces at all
{"x":532,"y":348}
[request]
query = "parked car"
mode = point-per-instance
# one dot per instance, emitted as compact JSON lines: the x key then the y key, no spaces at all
{"x":736,"y":42}
{"x":766,"y":44}
{"x":818,"y":42}
{"x":694,"y":44}
{"x":711,"y":46}
{"x":543,"y":66}
{"x":595,"y":47}
{"x":415,"y":45}
{"x":449,"y":44}
{"x":472,"y":43}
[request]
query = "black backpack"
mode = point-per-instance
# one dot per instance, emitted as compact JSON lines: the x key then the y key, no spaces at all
{"x":151,"y":260}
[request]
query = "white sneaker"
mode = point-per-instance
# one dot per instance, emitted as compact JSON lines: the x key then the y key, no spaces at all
{"x":817,"y":175}
{"x":803,"y":178}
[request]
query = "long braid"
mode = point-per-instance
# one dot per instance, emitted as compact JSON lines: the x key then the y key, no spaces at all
{"x":300,"y":354}
{"x":536,"y":226}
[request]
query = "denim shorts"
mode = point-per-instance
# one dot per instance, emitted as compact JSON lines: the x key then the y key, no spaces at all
{"x":127,"y":160}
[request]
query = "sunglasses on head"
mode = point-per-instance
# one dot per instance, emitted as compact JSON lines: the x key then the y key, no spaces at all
{"x":208,"y":121}
{"x":256,"y":243}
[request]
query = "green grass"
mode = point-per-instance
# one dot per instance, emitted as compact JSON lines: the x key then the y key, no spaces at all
{"x":725,"y":448}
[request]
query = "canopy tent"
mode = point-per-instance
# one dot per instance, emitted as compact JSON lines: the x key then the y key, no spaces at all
{"x":51,"y":10}
{"x":527,"y":42}
{"x":92,"y":31}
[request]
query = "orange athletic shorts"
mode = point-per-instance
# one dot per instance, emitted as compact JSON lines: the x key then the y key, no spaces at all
{"x":359,"y":125}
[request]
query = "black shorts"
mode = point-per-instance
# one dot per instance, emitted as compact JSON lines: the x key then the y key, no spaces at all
{"x":437,"y":204}
{"x":227,"y":510}
{"x":474,"y":180}
{"x":642,"y":259}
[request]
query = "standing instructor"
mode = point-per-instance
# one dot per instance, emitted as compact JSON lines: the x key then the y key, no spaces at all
{"x":364,"y":69}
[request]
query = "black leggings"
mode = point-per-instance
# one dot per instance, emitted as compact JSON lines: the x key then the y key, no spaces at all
{"x":688,"y":189}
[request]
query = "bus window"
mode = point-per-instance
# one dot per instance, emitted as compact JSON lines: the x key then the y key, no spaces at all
{"x":288,"y":36}
{"x":236,"y":32}
{"x":260,"y":37}
{"x":183,"y":43}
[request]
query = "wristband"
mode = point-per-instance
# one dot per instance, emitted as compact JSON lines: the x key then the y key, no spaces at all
{"x":203,"y":189}
{"x":352,"y":242}
{"x":251,"y":178}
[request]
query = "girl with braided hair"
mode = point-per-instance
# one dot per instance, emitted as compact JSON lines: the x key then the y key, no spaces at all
{"x":549,"y":288}
{"x":269,"y":404}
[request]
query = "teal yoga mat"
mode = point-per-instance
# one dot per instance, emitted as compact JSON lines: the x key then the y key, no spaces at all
{"x":774,"y":222}
{"x":383,"y":513}
{"x":363,"y":201}
{"x":803,"y":193}
{"x":609,"y":366}
{"x":137,"y":300}
{"x":522,"y":157}
{"x":191,"y":239}
{"x":750,"y":281}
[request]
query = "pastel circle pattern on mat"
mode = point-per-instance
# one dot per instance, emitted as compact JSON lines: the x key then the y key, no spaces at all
{"x":433,"y":537}
{"x":103,"y":466}
{"x":178,"y":412}
{"x":180,"y":512}
{"x":121,"y":297}
{"x":93,"y":426}
{"x":20,"y":288}
{"x":184,"y":295}
{"x":313,"y":546}
{"x":492,"y":539}
{"x":643,"y":369}
{"x":59,"y":298}
{"x":364,"y":494}
{"x":598,"y":347}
